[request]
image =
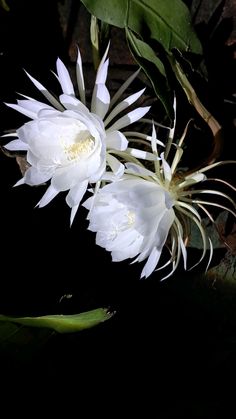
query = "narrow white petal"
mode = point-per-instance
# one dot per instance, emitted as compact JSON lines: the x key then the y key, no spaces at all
{"x":72,"y":103}
{"x":24,"y":111}
{"x":11,"y":134}
{"x":44,"y":113}
{"x":115,"y":165}
{"x":100,"y":100}
{"x":151,"y":263}
{"x":73,"y":213}
{"x":46,"y":93}
{"x":116,"y":140}
{"x":137,"y":135}
{"x":154,"y":139}
{"x":184,"y":252}
{"x":20,"y":182}
{"x":172,"y":132}
{"x":133,"y":168}
{"x":130,"y":118}
{"x":50,"y":193}
{"x":34,"y":105}
{"x":80,"y":78}
{"x":103,"y":66}
{"x":140,"y":154}
{"x":64,"y":78}
{"x":124,"y":86}
{"x":123,"y":105}
{"x":102,"y":72}
{"x":176,"y":159}
{"x":109,"y":177}
{"x":166,"y":168}
{"x":16,"y":145}
{"x":76,"y":193}
{"x":191,"y":179}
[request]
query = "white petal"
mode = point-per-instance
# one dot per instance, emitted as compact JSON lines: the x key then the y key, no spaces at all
{"x":76,"y":193}
{"x":136,"y":169}
{"x":128,"y":119}
{"x":154,"y":139}
{"x":35,"y":177}
{"x":166,"y":168}
{"x":102,"y":72}
{"x":124,"y":86}
{"x":88,"y":203}
{"x":25,"y":112}
{"x":72,"y":103}
{"x":16,"y":145}
{"x":50,"y":193}
{"x":123,"y":105}
{"x":100,"y":100}
{"x":115,"y":165}
{"x":46,"y":93}
{"x":34,"y":105}
{"x":20,"y":182}
{"x":151,"y":263}
{"x":192,"y":179}
{"x":64,"y":78}
{"x":11,"y":134}
{"x":73,"y":213}
{"x":109,"y":177}
{"x":44,"y":113}
{"x":164,"y":227}
{"x":116,"y":140}
{"x":80,"y":78}
{"x":176,"y":159}
{"x":140,"y":154}
{"x":184,"y":252}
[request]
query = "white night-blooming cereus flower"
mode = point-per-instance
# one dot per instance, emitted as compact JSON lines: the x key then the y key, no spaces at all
{"x":145,"y":210}
{"x":70,"y":144}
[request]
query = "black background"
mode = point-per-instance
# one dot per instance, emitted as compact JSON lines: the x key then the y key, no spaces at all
{"x":167,"y":349}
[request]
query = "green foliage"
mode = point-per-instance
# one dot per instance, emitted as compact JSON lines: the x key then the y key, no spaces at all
{"x":153,"y":68}
{"x":61,"y":323}
{"x":151,"y":19}
{"x":149,"y":25}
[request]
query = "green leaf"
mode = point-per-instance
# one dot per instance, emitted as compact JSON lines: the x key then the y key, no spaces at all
{"x":154,"y":69}
{"x":61,"y":323}
{"x":168,"y":24}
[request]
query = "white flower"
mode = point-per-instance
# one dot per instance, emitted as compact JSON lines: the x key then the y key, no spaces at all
{"x":132,"y":217}
{"x":145,"y":210}
{"x":67,"y":142}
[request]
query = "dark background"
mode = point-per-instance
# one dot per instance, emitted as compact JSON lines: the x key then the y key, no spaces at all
{"x":170,"y":347}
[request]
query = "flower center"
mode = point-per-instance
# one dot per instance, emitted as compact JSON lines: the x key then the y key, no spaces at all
{"x":131,"y":218}
{"x":79,"y":149}
{"x":121,"y":225}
